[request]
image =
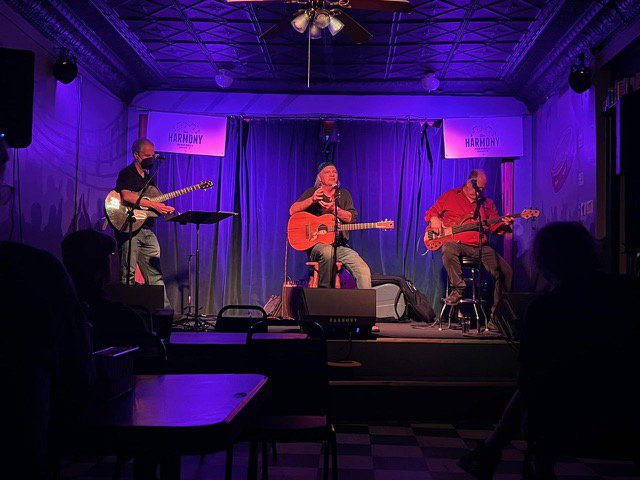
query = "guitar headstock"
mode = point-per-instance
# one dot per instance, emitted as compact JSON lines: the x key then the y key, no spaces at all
{"x":205,"y":184}
{"x":386,"y":224}
{"x":530,"y":213}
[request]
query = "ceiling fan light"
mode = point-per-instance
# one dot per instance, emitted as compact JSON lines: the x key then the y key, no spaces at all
{"x":224,"y":78}
{"x":322,"y":18}
{"x":315,"y":32}
{"x":430,"y":82}
{"x":301,"y":22}
{"x":335,"y":26}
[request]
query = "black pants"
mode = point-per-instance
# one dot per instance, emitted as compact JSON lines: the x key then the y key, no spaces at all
{"x":496,"y":265}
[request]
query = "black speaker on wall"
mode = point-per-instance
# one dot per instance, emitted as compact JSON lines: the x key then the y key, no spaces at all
{"x":16,"y":96}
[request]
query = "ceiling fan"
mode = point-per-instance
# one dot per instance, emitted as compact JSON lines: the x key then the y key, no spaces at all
{"x":323,"y":14}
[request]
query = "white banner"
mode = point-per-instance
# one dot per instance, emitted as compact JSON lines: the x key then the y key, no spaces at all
{"x":186,"y":133}
{"x":483,"y":137}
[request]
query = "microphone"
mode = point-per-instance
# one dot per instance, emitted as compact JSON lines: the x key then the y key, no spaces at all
{"x":335,"y":186}
{"x":157,"y":156}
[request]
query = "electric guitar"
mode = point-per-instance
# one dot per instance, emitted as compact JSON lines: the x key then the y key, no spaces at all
{"x":116,"y":209}
{"x":305,"y":230}
{"x":434,"y":239}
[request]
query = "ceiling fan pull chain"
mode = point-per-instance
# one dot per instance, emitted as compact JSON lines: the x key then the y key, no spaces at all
{"x":309,"y":58}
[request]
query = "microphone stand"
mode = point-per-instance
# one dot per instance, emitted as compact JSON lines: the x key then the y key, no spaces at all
{"x":131,"y":218}
{"x":336,"y":236}
{"x":477,"y":215}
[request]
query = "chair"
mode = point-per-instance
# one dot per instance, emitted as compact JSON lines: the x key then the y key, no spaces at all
{"x":314,"y":275}
{"x":297,"y":407}
{"x":240,"y":324}
{"x":472,"y":279}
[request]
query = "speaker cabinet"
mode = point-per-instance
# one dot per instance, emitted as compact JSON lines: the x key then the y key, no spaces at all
{"x":510,"y":312}
{"x":16,"y":96}
{"x":338,"y":311}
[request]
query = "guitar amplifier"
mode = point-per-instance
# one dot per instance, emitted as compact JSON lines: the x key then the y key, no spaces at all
{"x":338,"y":311}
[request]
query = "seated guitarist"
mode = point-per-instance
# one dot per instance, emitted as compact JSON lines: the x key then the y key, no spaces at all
{"x":458,"y":206}
{"x":145,"y":249}
{"x":320,"y":200}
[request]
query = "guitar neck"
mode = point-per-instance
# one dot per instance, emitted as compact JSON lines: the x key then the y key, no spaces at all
{"x":175,"y":193}
{"x":353,"y":226}
{"x":474,"y":226}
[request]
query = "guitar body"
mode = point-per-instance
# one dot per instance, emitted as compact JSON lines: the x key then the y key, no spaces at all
{"x":116,"y":211}
{"x":434,"y":239}
{"x":306,"y":230}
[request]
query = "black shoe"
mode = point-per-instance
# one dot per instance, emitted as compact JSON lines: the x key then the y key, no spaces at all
{"x":453,"y":298}
{"x":481,"y":462}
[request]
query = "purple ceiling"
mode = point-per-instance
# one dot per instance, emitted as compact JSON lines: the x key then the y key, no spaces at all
{"x":517,"y":48}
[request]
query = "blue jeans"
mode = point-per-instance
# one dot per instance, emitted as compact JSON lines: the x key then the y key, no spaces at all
{"x":145,"y":252}
{"x":353,"y":262}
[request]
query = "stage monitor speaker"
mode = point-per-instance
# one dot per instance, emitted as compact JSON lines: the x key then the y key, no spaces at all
{"x":16,"y":96}
{"x":339,"y":311}
{"x":150,"y":297}
{"x":510,"y":311}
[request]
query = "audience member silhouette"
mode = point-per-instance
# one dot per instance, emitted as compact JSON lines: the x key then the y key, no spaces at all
{"x":45,"y":357}
{"x":579,"y":358}
{"x":86,"y":254}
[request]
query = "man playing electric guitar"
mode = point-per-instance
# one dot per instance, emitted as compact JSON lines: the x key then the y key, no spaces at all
{"x":145,"y":249}
{"x":455,"y":207}
{"x":321,"y":199}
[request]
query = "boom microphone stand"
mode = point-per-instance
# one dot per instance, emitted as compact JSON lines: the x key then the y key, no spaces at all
{"x":336,"y":235}
{"x":477,"y":215}
{"x":131,"y":217}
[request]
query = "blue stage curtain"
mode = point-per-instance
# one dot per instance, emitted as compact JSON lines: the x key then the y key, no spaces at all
{"x":268,"y":164}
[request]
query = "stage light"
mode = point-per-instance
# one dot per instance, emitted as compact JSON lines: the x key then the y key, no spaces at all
{"x":224,"y":79}
{"x":335,"y":26}
{"x":580,"y":78}
{"x":300,"y":23}
{"x":322,"y":18}
{"x":430,"y":82}
{"x":65,"y":69}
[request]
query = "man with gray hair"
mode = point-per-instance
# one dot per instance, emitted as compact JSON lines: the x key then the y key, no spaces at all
{"x":319,"y":200}
{"x":145,"y":249}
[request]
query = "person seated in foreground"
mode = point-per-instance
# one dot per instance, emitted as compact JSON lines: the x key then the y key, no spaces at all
{"x":45,"y":358}
{"x":86,"y":255}
{"x":579,"y":358}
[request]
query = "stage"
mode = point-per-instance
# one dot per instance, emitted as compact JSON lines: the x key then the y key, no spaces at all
{"x":408,"y":371}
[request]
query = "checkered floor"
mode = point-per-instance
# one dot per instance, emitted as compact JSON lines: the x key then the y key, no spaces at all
{"x":395,"y":451}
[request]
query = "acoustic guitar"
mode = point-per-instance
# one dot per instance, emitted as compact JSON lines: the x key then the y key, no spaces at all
{"x":116,"y":209}
{"x":305,"y":230}
{"x":434,"y":239}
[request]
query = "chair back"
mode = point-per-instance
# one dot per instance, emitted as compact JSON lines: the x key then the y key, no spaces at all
{"x":297,"y":368}
{"x":238,"y":324}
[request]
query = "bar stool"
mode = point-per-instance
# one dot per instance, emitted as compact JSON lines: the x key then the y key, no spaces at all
{"x":471,"y":266}
{"x":314,"y":276}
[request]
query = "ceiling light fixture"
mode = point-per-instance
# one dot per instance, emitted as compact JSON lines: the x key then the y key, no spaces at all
{"x":335,"y":26}
{"x":322,"y":18}
{"x":315,"y":32}
{"x":224,"y":79}
{"x":430,"y":82}
{"x":300,"y":23}
{"x":580,"y":78}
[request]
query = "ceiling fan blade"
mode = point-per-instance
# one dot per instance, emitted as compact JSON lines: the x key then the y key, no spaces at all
{"x":278,"y":28}
{"x":261,"y":1}
{"x":380,"y":5}
{"x":356,"y":32}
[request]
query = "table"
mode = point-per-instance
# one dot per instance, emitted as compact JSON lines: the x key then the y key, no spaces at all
{"x":169,"y":416}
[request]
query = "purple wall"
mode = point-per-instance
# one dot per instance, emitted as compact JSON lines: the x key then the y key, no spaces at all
{"x":80,"y":127}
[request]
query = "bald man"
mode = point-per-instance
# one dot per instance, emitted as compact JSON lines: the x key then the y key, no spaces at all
{"x":451,"y":209}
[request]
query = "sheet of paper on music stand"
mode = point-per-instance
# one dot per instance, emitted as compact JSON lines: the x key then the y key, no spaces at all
{"x":187,"y":133}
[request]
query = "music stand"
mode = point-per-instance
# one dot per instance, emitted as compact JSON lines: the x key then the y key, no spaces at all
{"x":199,"y":218}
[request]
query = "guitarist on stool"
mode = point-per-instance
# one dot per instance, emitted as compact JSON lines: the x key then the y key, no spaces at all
{"x":458,"y":206}
{"x":320,"y":200}
{"x":145,"y":249}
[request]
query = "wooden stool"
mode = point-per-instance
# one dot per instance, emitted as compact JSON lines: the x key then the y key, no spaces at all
{"x":313,"y":279}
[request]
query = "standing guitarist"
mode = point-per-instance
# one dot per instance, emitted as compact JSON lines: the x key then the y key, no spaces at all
{"x":319,"y":200}
{"x":458,"y":206}
{"x":145,"y":249}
